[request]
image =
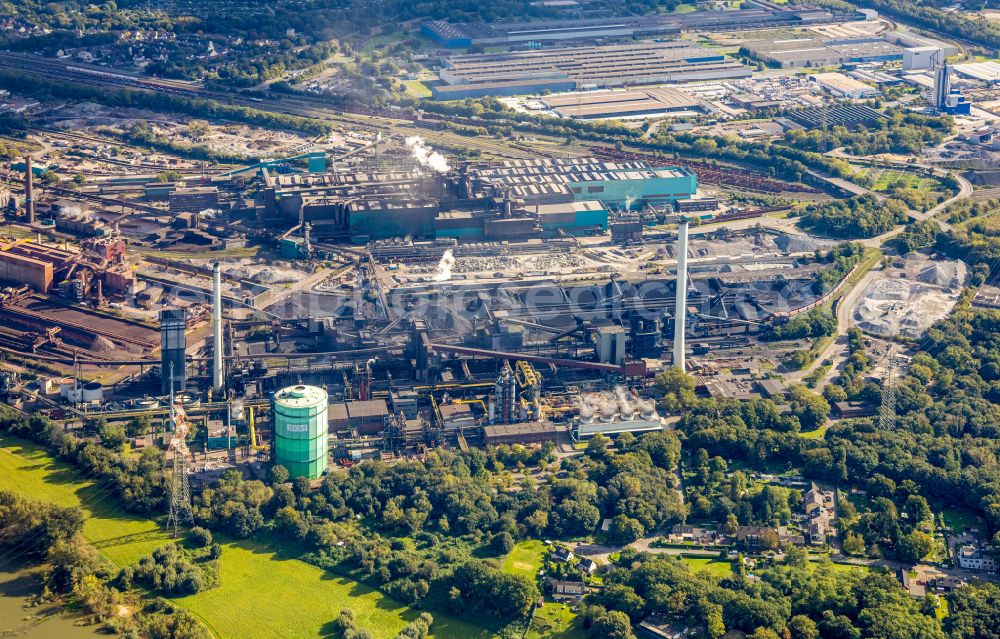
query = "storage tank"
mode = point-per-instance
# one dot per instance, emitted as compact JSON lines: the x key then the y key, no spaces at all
{"x":300,"y":430}
{"x":146,"y":403}
{"x":93,"y":392}
{"x":69,"y":389}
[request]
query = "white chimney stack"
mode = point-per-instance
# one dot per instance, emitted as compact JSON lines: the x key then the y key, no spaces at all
{"x":217,"y":326}
{"x":680,"y":310}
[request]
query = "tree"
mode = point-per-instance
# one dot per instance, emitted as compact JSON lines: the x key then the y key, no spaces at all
{"x":113,"y":436}
{"x":139,"y":425}
{"x":597,"y":447}
{"x":70,"y":563}
{"x":914,"y":546}
{"x":811,"y":409}
{"x":731,"y":525}
{"x":169,"y":176}
{"x":713,"y":621}
{"x":802,"y":627}
{"x":503,"y":543}
{"x":278,"y":474}
{"x":624,"y":530}
{"x":853,"y":544}
{"x":676,"y":388}
{"x":611,"y":625}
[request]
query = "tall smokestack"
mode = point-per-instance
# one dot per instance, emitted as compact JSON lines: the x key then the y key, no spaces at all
{"x":680,"y":310}
{"x":217,"y":325}
{"x":29,"y":190}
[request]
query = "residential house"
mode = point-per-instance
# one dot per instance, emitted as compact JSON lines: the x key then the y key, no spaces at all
{"x":562,"y":554}
{"x":944,"y":584}
{"x":820,"y":514}
{"x":695,"y":534}
{"x":588,"y":566}
{"x":562,"y":590}
{"x":761,"y":537}
{"x":975,"y":558}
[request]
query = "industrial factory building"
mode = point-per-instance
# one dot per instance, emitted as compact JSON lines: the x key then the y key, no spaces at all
{"x":620,"y":184}
{"x":523,"y":433}
{"x":756,"y":15}
{"x":811,"y":53}
{"x":29,"y":270}
{"x":602,"y":66}
{"x":496,"y":201}
{"x":843,"y":86}
{"x":592,"y":105}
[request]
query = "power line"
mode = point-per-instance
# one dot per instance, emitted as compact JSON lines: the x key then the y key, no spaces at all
{"x":180,"y":487}
{"x":887,"y":410}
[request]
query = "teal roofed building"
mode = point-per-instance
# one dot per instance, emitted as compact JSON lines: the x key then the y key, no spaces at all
{"x":617,"y":184}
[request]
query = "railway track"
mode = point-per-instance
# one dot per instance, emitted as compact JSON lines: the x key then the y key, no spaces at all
{"x":981,"y":195}
{"x":92,"y":139}
{"x":45,"y":319}
{"x":106,"y":201}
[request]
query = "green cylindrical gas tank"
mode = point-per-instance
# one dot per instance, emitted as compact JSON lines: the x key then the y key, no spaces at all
{"x":300,"y":430}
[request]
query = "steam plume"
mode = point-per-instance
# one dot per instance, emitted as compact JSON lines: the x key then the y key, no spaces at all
{"x":444,"y":267}
{"x":427,"y":156}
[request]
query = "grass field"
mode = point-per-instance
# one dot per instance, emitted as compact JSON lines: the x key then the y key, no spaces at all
{"x":887,"y":178}
{"x":122,"y":537}
{"x":819,"y":433}
{"x":262,"y":594}
{"x":525,"y":559}
{"x":835,"y":567}
{"x":714,"y":567}
{"x":554,"y":621}
{"x":959,"y":520}
{"x":417,"y":88}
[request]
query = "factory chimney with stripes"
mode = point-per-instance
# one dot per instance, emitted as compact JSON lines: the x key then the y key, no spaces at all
{"x":680,"y":310}
{"x":217,"y":326}
{"x":29,"y":190}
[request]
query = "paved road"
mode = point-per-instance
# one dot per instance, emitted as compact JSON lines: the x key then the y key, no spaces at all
{"x":837,"y":349}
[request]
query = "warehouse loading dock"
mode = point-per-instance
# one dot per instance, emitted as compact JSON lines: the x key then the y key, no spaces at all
{"x":613,"y":104}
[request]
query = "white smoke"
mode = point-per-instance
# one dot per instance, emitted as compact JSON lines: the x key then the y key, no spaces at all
{"x":75,"y":210}
{"x":426,"y":156}
{"x":208,"y":213}
{"x":626,"y":405}
{"x":444,"y":267}
{"x":620,"y":401}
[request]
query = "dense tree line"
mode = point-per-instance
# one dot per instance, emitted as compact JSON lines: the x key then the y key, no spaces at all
{"x":918,"y":235}
{"x":900,"y":132}
{"x":978,"y":245}
{"x":174,"y":571}
{"x":715,"y":495}
{"x":816,"y":322}
{"x":850,"y":383}
{"x":35,"y":527}
{"x":790,"y":599}
{"x":840,"y":260}
{"x":862,"y":216}
{"x":76,"y":571}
